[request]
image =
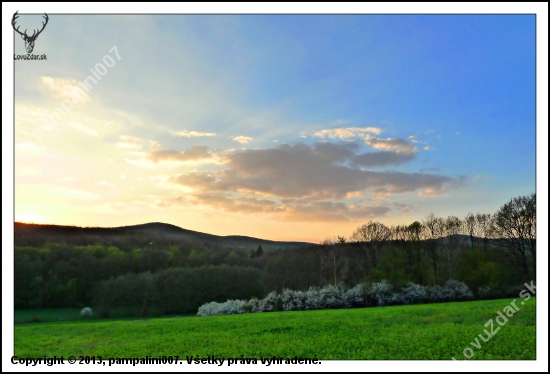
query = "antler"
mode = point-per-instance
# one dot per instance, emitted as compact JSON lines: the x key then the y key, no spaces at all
{"x":15,"y":16}
{"x":35,"y":34}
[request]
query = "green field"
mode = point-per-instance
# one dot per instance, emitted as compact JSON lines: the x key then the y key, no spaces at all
{"x":46,"y":315}
{"x":63,"y":314}
{"x":435,"y":331}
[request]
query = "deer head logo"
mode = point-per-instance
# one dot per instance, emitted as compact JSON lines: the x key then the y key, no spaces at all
{"x":29,"y":40}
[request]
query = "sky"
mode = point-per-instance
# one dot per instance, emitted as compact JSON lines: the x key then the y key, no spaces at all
{"x":283,"y":127}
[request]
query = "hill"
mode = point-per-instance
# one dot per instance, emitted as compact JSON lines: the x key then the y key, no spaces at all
{"x":28,"y":234}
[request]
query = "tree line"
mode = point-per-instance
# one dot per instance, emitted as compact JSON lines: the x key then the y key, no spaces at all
{"x":61,"y":275}
{"x":485,"y":251}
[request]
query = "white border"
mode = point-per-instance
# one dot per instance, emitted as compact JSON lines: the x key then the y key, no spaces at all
{"x":541,"y":9}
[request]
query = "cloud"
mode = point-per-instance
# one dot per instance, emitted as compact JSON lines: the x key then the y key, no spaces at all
{"x":66,"y":89}
{"x":198,"y":181}
{"x":130,"y":139}
{"x":295,"y":171}
{"x":430,"y":169}
{"x":136,"y":155}
{"x":432,"y":192}
{"x":402,"y":207}
{"x":192,"y":134}
{"x":129,"y":142}
{"x":347,"y":132}
{"x":242,"y":139}
{"x":335,"y":211}
{"x":194,"y":153}
{"x":224,"y":202}
{"x":390,"y":144}
{"x":398,"y":145}
{"x":333,"y":152}
{"x":289,"y":210}
{"x":128,"y":145}
{"x":83,"y":128}
{"x":382,"y":158}
{"x":381,"y":192}
{"x":241,"y":204}
{"x":323,"y":181}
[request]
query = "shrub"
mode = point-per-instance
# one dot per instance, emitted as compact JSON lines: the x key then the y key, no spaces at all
{"x":86,"y":312}
{"x":379,"y":293}
{"x":267,"y":304}
{"x":333,"y":296}
{"x":439,"y":294}
{"x":208,"y":309}
{"x":459,"y":290}
{"x":232,"y":307}
{"x":415,"y":293}
{"x":397,"y":299}
{"x":327,"y":297}
{"x":355,"y":297}
{"x":324,"y":297}
{"x":228,"y":307}
{"x":453,"y":290}
{"x":293,"y":300}
{"x":252,"y":306}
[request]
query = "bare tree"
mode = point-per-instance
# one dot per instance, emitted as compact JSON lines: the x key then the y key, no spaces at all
{"x":515,"y":229}
{"x":372,"y":236}
{"x":331,"y":255}
{"x":470,"y":225}
{"x":453,"y":228}
{"x":399,"y":233}
{"x":434,"y":230}
{"x":484,"y":223}
{"x":416,"y":250}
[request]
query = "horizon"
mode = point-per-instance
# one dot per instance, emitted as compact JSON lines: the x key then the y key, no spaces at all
{"x":283,"y":127}
{"x":147,"y":223}
{"x":206,"y":233}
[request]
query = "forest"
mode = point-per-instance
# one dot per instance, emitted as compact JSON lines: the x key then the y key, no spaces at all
{"x":132,"y":273}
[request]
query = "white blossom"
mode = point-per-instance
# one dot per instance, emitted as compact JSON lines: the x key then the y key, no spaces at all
{"x":86,"y":312}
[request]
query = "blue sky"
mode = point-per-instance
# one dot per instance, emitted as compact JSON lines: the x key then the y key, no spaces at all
{"x":256,"y":125}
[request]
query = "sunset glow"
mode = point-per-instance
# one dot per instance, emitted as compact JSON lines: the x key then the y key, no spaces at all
{"x":273,"y":126}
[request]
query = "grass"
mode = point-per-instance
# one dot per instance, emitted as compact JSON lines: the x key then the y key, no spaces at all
{"x":67,"y":314}
{"x":435,"y":331}
{"x":46,"y":315}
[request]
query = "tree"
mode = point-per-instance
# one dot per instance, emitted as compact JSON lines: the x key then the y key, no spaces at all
{"x":484,"y":223}
{"x":515,"y":229}
{"x":372,"y":237}
{"x":259,"y":251}
{"x":470,"y":224}
{"x":331,"y":256}
{"x":434,"y":229}
{"x":414,"y":233}
{"x":453,"y":228}
{"x":476,"y":270}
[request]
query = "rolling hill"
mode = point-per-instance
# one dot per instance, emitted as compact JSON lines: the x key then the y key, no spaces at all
{"x":27,"y":234}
